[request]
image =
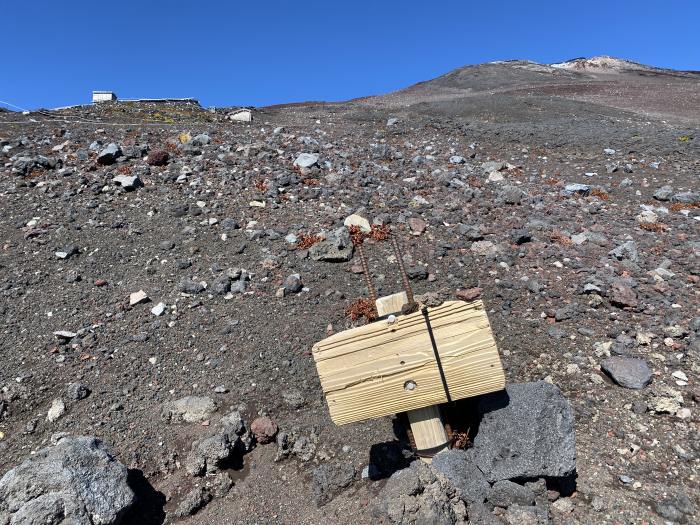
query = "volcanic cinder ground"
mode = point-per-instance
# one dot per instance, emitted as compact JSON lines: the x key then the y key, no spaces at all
{"x":484,"y":157}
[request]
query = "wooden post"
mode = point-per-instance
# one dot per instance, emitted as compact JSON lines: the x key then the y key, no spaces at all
{"x":426,"y":423}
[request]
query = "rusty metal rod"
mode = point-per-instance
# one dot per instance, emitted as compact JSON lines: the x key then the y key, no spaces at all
{"x":365,"y":271}
{"x":402,"y":270}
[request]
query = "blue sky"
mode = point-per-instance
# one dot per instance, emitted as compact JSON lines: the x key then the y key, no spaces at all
{"x":56,"y":52}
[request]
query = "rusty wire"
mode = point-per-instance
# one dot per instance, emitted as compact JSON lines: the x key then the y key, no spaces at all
{"x":378,"y":233}
{"x":358,"y":237}
{"x":410,"y":305}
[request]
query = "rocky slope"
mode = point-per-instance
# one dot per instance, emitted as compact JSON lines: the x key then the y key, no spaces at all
{"x":162,"y":285}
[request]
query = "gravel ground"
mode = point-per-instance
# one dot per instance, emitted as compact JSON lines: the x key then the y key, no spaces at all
{"x":577,"y":220}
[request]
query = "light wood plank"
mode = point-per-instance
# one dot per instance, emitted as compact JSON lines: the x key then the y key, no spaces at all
{"x":363,"y":371}
{"x":391,"y":304}
{"x":427,"y":426}
{"x":428,"y":429}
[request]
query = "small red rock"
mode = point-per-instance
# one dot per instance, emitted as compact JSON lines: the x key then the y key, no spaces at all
{"x":264,"y":429}
{"x":100,"y":282}
{"x":158,"y":158}
{"x":470,"y":294}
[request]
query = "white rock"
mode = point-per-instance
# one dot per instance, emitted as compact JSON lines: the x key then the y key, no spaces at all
{"x":359,"y":221}
{"x":496,"y":176}
{"x":158,"y":309}
{"x":128,"y":182}
{"x":683,"y":413}
{"x":138,"y":297}
{"x":58,"y":408}
{"x":306,"y":160}
{"x":679,"y":374}
{"x":596,"y":379}
{"x":65,"y":334}
{"x":647,"y":217}
{"x":579,"y":238}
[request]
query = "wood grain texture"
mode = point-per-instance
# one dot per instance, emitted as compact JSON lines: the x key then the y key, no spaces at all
{"x":391,"y":304}
{"x":426,"y":423}
{"x":363,"y":371}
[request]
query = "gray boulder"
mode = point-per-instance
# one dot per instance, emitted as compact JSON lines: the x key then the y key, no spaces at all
{"x":329,"y":479}
{"x":337,"y":247}
{"x":200,"y":140}
{"x":463,"y":474}
{"x":78,"y":391}
{"x":626,"y":251}
{"x":221,"y":285}
{"x":189,"y":286}
{"x":629,"y":372}
{"x":128,"y":182}
{"x":686,"y":197}
{"x":293,"y":284}
{"x":663,"y":193}
{"x":109,"y":155}
{"x":194,"y":500}
{"x":306,"y":160}
{"x":189,"y":409}
{"x":511,"y":194}
{"x":505,"y":493}
{"x":210,"y":454}
{"x":419,"y":495}
{"x":493,"y":165}
{"x":76,"y":482}
{"x":526,"y":431}
{"x":576,"y":188}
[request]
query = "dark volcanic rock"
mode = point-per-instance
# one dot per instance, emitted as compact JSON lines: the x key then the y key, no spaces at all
{"x":76,"y":481}
{"x":463,"y":474}
{"x":526,"y":431}
{"x":629,"y":372}
{"x":329,"y":479}
{"x":421,"y":495}
{"x":109,"y":155}
{"x":210,"y":454}
{"x":336,"y":248}
{"x":505,"y":493}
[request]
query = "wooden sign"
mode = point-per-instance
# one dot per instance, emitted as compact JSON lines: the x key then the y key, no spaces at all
{"x":433,"y":356}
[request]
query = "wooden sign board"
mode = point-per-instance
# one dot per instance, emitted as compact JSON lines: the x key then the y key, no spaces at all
{"x":385,"y":368}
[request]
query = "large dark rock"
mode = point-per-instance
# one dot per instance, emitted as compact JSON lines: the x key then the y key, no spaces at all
{"x":463,"y":474}
{"x":329,"y":479}
{"x":420,"y":495}
{"x":505,"y":493}
{"x":109,"y":154}
{"x":336,"y":248}
{"x":75,"y":482}
{"x":629,"y":372}
{"x":526,"y":431}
